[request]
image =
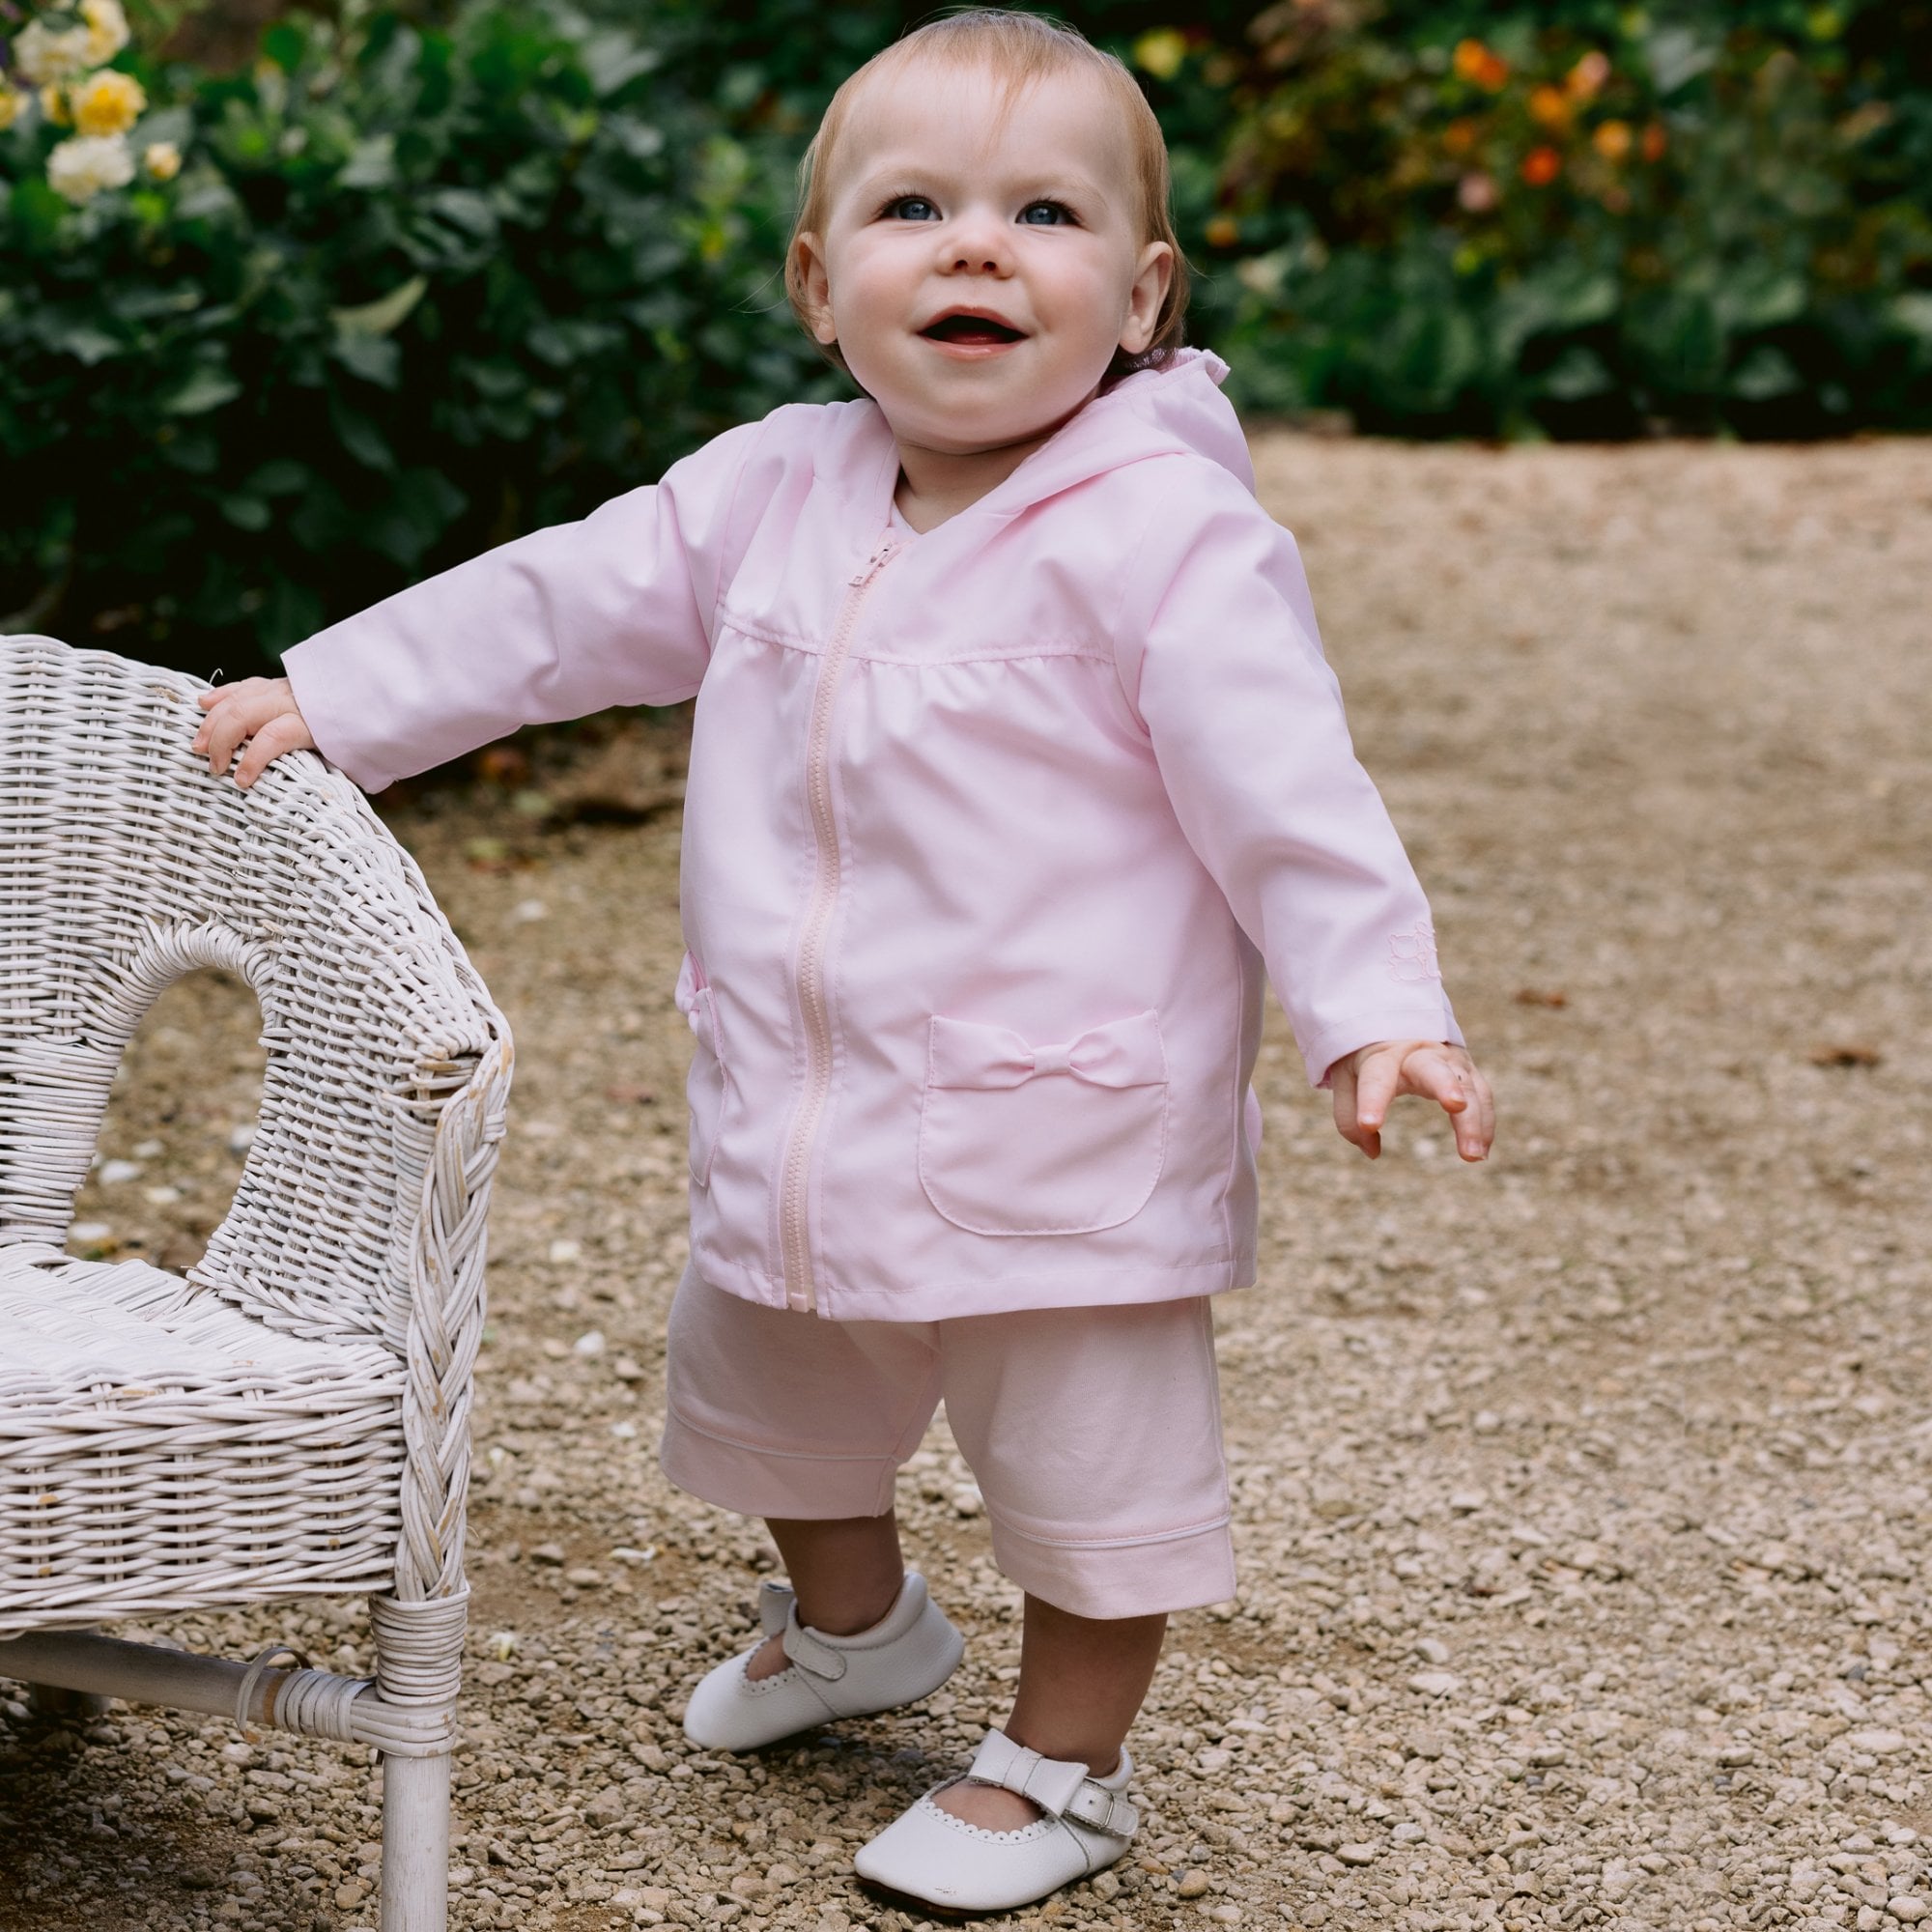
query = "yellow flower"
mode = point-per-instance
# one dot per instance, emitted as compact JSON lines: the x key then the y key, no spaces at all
{"x":1223,"y":231}
{"x":12,"y":100}
{"x":42,"y":55}
{"x":1160,"y":50}
{"x":106,"y":29}
{"x":1548,"y":107}
{"x":53,"y":104}
{"x":107,"y":102}
{"x":161,"y":160}
{"x":1612,"y":140}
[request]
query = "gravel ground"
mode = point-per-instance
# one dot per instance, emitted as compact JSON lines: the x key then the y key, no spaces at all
{"x":1583,"y":1499}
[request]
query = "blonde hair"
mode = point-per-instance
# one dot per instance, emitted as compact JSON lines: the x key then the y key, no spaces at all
{"x":1019,"y":49}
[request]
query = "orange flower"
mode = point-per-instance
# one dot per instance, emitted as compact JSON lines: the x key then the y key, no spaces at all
{"x":1612,"y":140}
{"x":1654,"y":141}
{"x":1459,"y":136}
{"x":1541,"y":166}
{"x":1223,"y":231}
{"x":1478,"y":65}
{"x":1586,"y":79}
{"x":1550,"y":107}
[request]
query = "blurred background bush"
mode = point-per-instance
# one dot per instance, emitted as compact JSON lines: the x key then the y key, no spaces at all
{"x":295,"y":308}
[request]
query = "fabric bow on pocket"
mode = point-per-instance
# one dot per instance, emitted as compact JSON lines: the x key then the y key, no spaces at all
{"x":1019,"y":1138}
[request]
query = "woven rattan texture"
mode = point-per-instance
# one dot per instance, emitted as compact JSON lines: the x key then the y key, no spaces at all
{"x":295,"y":1416}
{"x":144,"y":1423}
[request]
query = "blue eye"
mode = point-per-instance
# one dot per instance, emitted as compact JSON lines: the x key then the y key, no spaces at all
{"x":912,"y":207}
{"x":1055,"y":213}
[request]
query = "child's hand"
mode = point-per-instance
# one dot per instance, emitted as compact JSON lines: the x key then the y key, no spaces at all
{"x":1368,"y":1079}
{"x":264,"y":711}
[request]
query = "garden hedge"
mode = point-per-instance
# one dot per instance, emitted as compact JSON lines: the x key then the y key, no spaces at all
{"x":276,"y":341}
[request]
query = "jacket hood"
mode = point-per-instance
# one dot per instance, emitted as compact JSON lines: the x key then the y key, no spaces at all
{"x":1176,"y":410}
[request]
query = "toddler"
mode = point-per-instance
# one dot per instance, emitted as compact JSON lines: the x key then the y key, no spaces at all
{"x":1015,"y":769}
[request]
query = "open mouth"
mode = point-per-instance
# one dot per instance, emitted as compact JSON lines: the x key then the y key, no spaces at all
{"x":970,"y":328}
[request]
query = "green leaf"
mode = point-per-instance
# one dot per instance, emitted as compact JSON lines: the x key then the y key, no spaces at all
{"x":373,"y":357}
{"x":86,"y":343}
{"x":1577,"y":374}
{"x":360,"y":437}
{"x":371,"y":165}
{"x":1764,"y":374}
{"x":464,"y":209}
{"x":381,"y":316}
{"x":245,"y":512}
{"x":279,"y":476}
{"x":612,"y":59}
{"x":38,"y":212}
{"x":291,"y":613}
{"x":205,"y":388}
{"x":1677,"y":56}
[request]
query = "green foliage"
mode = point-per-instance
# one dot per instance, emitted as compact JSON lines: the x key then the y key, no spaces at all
{"x":1576,"y":218}
{"x":415,"y":291}
{"x":432,"y":277}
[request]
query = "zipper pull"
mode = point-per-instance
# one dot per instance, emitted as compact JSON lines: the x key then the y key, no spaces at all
{"x":875,"y":564}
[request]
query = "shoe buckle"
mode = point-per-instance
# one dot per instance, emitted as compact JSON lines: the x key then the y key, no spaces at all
{"x":1102,"y":1810}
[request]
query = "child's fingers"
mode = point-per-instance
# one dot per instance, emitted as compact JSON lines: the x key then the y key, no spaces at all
{"x":238,"y":713}
{"x":1476,"y":1129}
{"x":1449,"y":1077}
{"x":1435,"y":1076}
{"x":1377,"y":1080}
{"x":284,"y":732}
{"x":1347,"y":1116}
{"x":223,"y":732}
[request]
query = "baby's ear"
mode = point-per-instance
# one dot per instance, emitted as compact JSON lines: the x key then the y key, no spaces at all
{"x":813,"y":286}
{"x":1152,"y":281}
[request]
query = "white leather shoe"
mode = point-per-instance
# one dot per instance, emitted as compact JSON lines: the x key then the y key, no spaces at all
{"x":906,"y":1656}
{"x":929,"y":1855}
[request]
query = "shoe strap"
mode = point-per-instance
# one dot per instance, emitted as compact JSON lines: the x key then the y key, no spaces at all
{"x":775,"y":1602}
{"x":1057,"y":1786}
{"x":778,"y":1616}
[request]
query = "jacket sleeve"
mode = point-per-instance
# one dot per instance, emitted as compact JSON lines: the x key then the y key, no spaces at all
{"x":1220,"y":657}
{"x":616,"y":609}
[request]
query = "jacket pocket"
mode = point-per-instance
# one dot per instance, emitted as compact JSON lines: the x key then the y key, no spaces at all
{"x":1064,"y":1139}
{"x":705,"y":1085}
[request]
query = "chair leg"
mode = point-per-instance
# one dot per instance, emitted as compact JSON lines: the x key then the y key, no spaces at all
{"x":419,"y":1666}
{"x":49,"y":1701}
{"x":415,"y":1843}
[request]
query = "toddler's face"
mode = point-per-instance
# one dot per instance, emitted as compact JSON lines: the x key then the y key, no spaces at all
{"x":977,"y":276}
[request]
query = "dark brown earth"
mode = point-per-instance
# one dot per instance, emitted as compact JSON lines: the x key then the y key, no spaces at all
{"x":1584,"y":1500}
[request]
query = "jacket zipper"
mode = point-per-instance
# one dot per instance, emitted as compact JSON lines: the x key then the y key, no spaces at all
{"x":794,"y":1236}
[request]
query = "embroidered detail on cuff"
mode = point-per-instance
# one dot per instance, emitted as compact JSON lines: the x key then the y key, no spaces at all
{"x":1413,"y":955}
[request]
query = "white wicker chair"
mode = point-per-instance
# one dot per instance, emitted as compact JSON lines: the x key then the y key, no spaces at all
{"x":293,"y":1416}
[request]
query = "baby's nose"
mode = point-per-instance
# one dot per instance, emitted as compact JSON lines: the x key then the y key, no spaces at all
{"x":978,"y":247}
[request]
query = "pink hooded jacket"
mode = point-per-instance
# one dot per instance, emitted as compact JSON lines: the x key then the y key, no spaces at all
{"x":990,"y":836}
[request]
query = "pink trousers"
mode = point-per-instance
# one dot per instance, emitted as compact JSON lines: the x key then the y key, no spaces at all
{"x":1094,"y":1433}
